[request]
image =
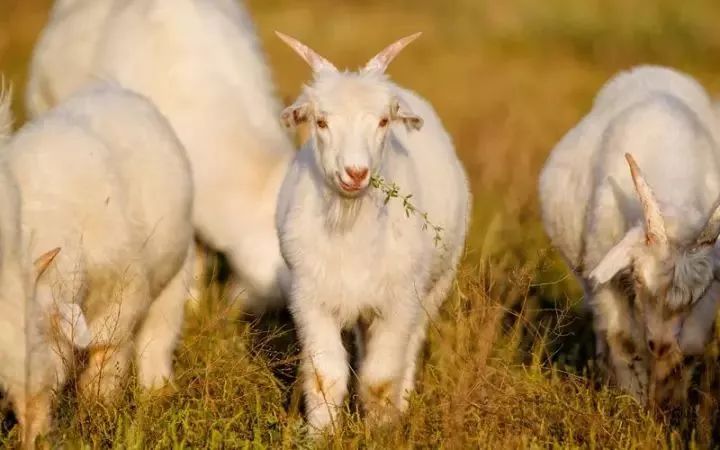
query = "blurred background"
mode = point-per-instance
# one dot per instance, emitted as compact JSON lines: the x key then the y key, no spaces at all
{"x":508,"y":78}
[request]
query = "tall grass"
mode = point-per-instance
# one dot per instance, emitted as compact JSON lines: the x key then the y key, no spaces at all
{"x":508,"y":363}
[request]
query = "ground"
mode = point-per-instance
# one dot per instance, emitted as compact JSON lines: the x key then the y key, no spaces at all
{"x":507,"y":362}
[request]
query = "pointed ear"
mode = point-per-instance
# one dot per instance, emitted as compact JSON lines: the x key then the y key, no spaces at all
{"x":618,"y":258}
{"x":72,"y":324}
{"x":43,"y":262}
{"x":297,"y":113}
{"x":401,"y":111}
{"x":697,"y":327}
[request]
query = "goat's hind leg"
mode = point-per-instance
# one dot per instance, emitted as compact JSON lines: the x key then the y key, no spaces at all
{"x":430,"y":307}
{"x":160,"y":330}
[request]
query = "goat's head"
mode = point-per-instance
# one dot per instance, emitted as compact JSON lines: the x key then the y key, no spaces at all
{"x":675,"y":289}
{"x":350,"y":114}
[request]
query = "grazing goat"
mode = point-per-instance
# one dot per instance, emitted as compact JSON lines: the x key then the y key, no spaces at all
{"x":100,"y":188}
{"x":356,"y":256}
{"x":199,"y":61}
{"x":645,"y":257}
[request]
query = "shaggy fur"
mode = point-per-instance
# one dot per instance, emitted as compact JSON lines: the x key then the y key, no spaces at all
{"x":356,"y":258}
{"x":200,"y":63}
{"x":104,"y":179}
{"x":593,"y":214}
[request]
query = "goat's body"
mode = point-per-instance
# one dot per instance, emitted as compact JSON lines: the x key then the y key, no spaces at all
{"x":657,"y":115}
{"x":100,"y":177}
{"x":422,"y":163}
{"x":104,"y":178}
{"x":200,"y":63}
{"x":665,"y":120}
{"x":363,"y":260}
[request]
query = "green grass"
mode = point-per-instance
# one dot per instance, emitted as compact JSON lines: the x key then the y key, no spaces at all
{"x":507,"y":362}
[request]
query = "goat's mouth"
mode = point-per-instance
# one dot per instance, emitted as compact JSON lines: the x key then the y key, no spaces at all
{"x":350,"y":189}
{"x":668,"y":379}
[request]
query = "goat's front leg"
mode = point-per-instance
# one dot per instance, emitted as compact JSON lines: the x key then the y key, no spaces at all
{"x":160,"y":331}
{"x":383,"y":370}
{"x":324,"y":368}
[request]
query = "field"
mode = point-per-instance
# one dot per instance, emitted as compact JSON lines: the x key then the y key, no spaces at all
{"x":507,"y":364}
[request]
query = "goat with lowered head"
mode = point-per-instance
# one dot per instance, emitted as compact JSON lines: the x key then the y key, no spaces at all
{"x":98,"y":192}
{"x":645,"y":257}
{"x":354,"y":257}
{"x":200,"y":62}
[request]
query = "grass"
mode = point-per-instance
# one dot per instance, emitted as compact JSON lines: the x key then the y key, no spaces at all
{"x":508,"y":359}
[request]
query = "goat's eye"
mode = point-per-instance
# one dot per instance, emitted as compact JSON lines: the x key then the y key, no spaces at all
{"x":383,"y":122}
{"x":321,"y":123}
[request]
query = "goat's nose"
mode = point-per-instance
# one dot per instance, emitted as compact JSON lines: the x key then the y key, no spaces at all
{"x":659,"y":349}
{"x":357,"y":174}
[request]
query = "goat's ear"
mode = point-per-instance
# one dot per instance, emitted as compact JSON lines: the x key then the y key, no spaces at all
{"x":43,"y":262}
{"x":297,"y":113}
{"x":697,"y":327}
{"x":72,"y":324}
{"x":618,"y":258}
{"x":400,"y":110}
{"x":711,"y":230}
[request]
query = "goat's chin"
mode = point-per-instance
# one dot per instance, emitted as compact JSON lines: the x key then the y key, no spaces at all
{"x":351,"y":195}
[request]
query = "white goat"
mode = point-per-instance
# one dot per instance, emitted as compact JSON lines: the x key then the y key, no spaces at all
{"x":200,"y":63}
{"x":104,"y":184}
{"x":644,"y":258}
{"x":353,"y":257}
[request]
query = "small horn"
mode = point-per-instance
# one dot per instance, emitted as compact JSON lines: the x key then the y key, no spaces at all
{"x":711,"y":230}
{"x":316,"y":62}
{"x":6,"y":115}
{"x":654,"y":223}
{"x":43,"y":262}
{"x":381,"y":61}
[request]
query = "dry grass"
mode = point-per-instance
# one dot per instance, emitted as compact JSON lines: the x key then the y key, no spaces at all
{"x":507,"y":364}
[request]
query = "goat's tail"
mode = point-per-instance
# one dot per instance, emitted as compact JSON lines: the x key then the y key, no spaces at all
{"x":6,"y":115}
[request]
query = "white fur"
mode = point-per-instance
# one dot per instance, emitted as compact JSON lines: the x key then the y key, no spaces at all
{"x":103,"y":178}
{"x":591,"y":210}
{"x":200,"y":63}
{"x":356,"y":259}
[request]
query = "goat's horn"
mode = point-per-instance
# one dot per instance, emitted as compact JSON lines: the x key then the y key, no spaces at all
{"x":711,"y":230}
{"x":381,"y":61}
{"x":317,"y":62}
{"x":654,"y":223}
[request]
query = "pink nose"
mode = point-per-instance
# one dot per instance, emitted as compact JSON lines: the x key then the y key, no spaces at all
{"x":356,"y":174}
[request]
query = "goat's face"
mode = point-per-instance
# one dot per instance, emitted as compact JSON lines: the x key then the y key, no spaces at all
{"x":676,"y":293}
{"x":350,"y":114}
